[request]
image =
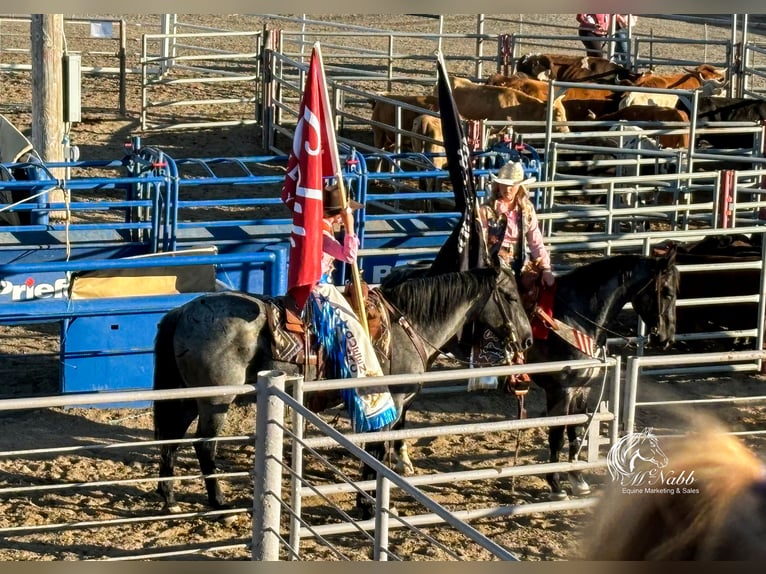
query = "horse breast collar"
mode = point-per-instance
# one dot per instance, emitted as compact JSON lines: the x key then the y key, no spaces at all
{"x":416,"y":339}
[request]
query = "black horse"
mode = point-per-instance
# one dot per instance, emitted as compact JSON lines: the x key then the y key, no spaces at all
{"x":589,"y":300}
{"x":220,"y":338}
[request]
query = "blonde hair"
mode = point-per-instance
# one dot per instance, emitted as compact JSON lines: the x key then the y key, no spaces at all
{"x":724,"y":520}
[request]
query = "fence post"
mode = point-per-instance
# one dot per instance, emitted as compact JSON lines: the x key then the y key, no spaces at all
{"x":267,"y":471}
{"x":631,"y":391}
{"x":383,"y":504}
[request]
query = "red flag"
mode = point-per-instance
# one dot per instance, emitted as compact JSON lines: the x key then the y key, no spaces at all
{"x":312,"y":158}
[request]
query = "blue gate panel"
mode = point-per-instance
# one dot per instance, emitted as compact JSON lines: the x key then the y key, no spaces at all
{"x":109,"y":353}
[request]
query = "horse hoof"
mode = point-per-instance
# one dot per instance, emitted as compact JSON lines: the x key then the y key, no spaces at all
{"x":579,"y":486}
{"x":172,"y":508}
{"x":557,"y":496}
{"x":404,"y":469}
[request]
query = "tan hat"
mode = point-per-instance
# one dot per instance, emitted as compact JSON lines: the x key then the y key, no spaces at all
{"x":512,"y":173}
{"x":331,"y":200}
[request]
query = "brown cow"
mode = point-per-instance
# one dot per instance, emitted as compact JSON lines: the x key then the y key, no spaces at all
{"x":497,"y":103}
{"x":689,"y":79}
{"x":385,"y":113}
{"x":539,"y":89}
{"x":428,"y":127}
{"x":566,"y":68}
{"x":653,"y":114}
{"x":580,"y":110}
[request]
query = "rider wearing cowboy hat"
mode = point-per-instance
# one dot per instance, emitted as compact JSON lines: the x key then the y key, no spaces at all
{"x":510,"y":222}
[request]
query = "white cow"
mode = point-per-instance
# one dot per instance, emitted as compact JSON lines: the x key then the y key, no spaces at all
{"x":708,"y":88}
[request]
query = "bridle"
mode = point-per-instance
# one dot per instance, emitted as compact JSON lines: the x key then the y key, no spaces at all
{"x":512,"y":339}
{"x":658,"y":280}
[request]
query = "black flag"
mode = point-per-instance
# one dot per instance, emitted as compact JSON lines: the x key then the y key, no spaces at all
{"x":462,"y":250}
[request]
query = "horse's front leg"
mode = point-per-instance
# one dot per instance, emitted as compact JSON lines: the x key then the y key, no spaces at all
{"x":363,"y":502}
{"x":555,"y":445}
{"x":579,"y":485}
{"x":575,"y":435}
{"x":404,"y":465}
{"x":557,"y":404}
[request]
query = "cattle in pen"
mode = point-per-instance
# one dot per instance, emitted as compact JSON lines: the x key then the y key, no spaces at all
{"x":721,"y":109}
{"x":496,"y":103}
{"x":704,"y":77}
{"x":654,"y":115}
{"x":567,"y":68}
{"x":386,"y":112}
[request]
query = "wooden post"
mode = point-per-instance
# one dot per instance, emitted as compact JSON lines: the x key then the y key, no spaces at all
{"x":47,"y":33}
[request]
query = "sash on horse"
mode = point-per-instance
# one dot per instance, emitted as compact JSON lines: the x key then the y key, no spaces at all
{"x":370,"y":408}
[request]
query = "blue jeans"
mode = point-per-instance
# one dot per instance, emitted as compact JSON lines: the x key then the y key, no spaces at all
{"x":621,"y":47}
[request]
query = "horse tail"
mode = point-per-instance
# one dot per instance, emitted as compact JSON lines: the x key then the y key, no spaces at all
{"x":167,"y":376}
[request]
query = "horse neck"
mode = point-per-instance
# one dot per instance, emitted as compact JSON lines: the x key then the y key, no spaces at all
{"x":446,"y":317}
{"x":601,"y":311}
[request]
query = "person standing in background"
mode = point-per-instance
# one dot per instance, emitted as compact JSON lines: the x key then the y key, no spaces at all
{"x":623,"y":23}
{"x":593,"y":30}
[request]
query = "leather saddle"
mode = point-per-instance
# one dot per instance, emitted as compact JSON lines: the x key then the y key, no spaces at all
{"x":292,"y":341}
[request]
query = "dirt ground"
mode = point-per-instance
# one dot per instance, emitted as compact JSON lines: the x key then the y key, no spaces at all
{"x":30,"y":367}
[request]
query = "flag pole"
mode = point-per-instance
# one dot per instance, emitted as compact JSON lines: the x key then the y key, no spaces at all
{"x":332,"y":144}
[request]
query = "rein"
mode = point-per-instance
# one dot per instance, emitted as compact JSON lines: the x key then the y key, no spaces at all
{"x":657,"y":282}
{"x":421,"y":342}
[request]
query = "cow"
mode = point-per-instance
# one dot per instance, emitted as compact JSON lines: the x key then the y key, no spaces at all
{"x":482,"y":102}
{"x":385,"y":113}
{"x":720,"y":109}
{"x":539,"y":89}
{"x":708,"y":88}
{"x":689,"y":79}
{"x":566,"y":68}
{"x":581,"y":110}
{"x":653,"y":114}
{"x":429,"y":128}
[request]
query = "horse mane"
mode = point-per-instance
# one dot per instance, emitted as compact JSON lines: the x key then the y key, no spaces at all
{"x":423,"y":298}
{"x":595,"y":274}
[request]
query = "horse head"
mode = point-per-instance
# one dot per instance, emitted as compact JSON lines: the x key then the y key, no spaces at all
{"x":504,"y":311}
{"x":656,"y":302}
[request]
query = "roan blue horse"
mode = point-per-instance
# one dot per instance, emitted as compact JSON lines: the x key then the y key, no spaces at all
{"x":221,"y":338}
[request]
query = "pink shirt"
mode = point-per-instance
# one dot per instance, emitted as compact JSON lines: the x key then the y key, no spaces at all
{"x":596,"y":22}
{"x":332,"y":248}
{"x":534,"y":236}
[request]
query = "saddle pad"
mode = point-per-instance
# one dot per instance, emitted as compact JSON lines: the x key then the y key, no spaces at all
{"x":286,"y":345}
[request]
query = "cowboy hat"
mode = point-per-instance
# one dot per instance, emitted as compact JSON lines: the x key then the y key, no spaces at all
{"x":512,"y":173}
{"x":331,"y":200}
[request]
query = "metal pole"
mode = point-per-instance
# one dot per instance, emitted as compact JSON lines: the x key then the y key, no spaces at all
{"x":383,"y":503}
{"x":123,"y":57}
{"x":479,"y":45}
{"x":267,"y":471}
{"x":296,"y":502}
{"x":616,"y":403}
{"x":630,"y":406}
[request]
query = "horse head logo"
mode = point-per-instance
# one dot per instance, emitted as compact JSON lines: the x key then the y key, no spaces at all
{"x":634,"y":457}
